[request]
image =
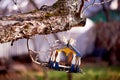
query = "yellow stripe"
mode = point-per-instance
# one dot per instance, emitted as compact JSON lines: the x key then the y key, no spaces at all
{"x":66,"y":50}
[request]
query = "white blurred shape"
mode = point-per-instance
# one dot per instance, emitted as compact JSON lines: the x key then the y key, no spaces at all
{"x":50,"y":2}
{"x":15,"y":7}
{"x":24,"y":3}
{"x":84,"y":37}
{"x":4,"y":3}
{"x":114,"y":5}
{"x":20,"y":47}
{"x":84,"y":29}
{"x":4,"y":49}
{"x":44,"y":2}
{"x":73,"y":59}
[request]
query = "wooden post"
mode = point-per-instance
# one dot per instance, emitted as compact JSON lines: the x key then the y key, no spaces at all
{"x":69,"y":76}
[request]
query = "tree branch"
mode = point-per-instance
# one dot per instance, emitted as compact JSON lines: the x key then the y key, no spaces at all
{"x":50,"y":19}
{"x":94,"y":4}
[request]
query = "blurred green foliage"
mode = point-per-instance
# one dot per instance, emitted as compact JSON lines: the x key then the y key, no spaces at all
{"x":100,"y":16}
{"x":89,"y":73}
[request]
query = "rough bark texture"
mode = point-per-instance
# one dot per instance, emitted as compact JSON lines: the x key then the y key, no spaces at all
{"x":49,"y":19}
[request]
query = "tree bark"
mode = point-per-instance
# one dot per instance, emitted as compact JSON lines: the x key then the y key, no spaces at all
{"x":61,"y":16}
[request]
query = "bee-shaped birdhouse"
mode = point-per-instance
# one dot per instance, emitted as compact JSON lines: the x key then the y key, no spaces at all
{"x":64,"y":57}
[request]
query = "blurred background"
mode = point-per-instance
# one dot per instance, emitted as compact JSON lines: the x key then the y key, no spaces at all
{"x":98,"y":42}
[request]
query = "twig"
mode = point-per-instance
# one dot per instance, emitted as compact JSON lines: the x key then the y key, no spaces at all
{"x":12,"y":42}
{"x":28,"y":45}
{"x":94,"y":4}
{"x":106,"y":12}
{"x":15,"y":2}
{"x":34,"y":4}
{"x":81,"y":7}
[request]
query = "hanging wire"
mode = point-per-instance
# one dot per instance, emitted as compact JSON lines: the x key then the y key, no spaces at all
{"x":31,"y":52}
{"x":34,"y":55}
